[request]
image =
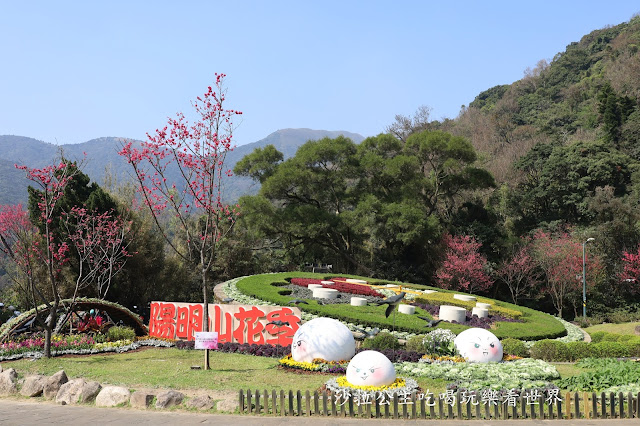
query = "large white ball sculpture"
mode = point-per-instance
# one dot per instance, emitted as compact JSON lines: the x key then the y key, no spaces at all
{"x":478,"y":345}
{"x":370,"y":368}
{"x":324,"y":338}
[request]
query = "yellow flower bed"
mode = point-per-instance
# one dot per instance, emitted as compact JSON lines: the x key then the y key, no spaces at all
{"x":444,"y":358}
{"x":287,"y":361}
{"x":507,"y":357}
{"x":398,"y":383}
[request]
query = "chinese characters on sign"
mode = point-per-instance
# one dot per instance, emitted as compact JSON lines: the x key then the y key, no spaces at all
{"x":206,"y":340}
{"x":487,"y":397}
{"x":233,"y":323}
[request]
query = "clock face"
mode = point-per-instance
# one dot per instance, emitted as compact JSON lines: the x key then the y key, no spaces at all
{"x":324,"y":338}
{"x":479,"y":345}
{"x":370,"y":368}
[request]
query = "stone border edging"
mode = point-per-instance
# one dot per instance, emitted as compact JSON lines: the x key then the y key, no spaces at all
{"x":78,"y":391}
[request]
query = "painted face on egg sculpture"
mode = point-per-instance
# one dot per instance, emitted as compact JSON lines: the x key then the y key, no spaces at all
{"x":370,"y":368}
{"x":324,"y":338}
{"x":479,"y":345}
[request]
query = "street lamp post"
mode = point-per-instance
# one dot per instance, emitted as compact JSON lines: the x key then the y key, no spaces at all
{"x":584,"y":277}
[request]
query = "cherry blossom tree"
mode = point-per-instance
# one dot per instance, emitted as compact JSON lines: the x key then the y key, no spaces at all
{"x":464,"y":266}
{"x":196,"y":153}
{"x":18,"y":242}
{"x":519,"y":272}
{"x":630,"y":273}
{"x":100,"y":241}
{"x":50,"y":182}
{"x":560,"y":258}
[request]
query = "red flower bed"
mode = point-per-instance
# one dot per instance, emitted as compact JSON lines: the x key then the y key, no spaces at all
{"x":340,"y":286}
{"x":304,"y":282}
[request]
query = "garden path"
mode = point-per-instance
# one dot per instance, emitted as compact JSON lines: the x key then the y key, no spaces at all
{"x":20,"y":412}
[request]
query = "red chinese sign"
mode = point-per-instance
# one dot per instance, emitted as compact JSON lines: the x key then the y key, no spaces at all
{"x":272,"y":325}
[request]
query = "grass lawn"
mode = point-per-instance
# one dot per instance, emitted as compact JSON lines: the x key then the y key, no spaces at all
{"x":171,"y":368}
{"x":624,"y":328}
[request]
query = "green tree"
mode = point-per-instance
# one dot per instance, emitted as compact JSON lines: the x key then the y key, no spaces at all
{"x":260,"y":164}
{"x":559,"y":181}
{"x":378,"y":207}
{"x":446,"y":163}
{"x":312,"y":195}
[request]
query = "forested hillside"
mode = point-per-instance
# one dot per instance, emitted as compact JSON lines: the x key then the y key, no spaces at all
{"x":520,"y":179}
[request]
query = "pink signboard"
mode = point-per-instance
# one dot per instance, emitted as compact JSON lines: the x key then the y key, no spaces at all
{"x":206,"y":340}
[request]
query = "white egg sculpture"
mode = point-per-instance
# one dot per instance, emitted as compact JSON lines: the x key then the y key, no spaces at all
{"x":478,"y":345}
{"x":370,"y":368}
{"x":324,"y":338}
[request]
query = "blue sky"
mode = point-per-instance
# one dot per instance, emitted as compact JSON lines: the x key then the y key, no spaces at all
{"x":74,"y":71}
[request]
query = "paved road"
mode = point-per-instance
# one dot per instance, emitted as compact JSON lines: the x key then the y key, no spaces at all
{"x":27,"y":412}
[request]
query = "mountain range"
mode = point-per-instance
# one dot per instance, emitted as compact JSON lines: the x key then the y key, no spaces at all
{"x":102,"y":159}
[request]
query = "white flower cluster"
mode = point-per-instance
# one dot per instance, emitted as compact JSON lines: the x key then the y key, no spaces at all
{"x":440,"y":335}
{"x":524,"y":373}
{"x":118,"y":347}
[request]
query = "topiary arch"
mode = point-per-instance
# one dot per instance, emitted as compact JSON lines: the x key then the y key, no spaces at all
{"x":118,"y":313}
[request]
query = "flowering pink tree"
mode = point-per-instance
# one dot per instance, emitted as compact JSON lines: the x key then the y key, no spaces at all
{"x":101,"y":241}
{"x":519,"y":273}
{"x":18,"y":243}
{"x":560,"y":258}
{"x":630,"y":274}
{"x":463,"y":267}
{"x":197,"y":152}
{"x":50,"y":183}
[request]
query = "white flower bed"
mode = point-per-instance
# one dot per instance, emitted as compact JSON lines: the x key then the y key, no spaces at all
{"x":118,"y":347}
{"x":521,"y":374}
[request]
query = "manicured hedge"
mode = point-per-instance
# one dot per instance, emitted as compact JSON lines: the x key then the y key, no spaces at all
{"x":536,"y":325}
{"x":553,"y":350}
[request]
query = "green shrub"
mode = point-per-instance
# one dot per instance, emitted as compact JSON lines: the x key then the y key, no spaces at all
{"x":549,"y":350}
{"x":620,"y":316}
{"x":579,"y":350}
{"x":381,"y":341}
{"x":610,"y":337}
{"x":634,"y":347}
{"x":612,"y":350}
{"x":597,"y":336}
{"x":120,"y":333}
{"x":515,"y":347}
{"x":585,"y":322}
{"x":415,"y":344}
